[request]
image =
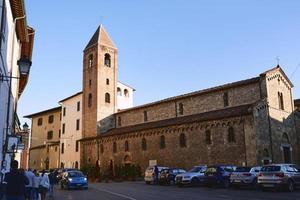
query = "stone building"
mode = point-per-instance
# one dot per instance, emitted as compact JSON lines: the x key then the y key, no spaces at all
{"x":249,"y":122}
{"x":44,"y":139}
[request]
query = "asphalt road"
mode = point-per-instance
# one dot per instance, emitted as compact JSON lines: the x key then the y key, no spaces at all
{"x":141,"y":191}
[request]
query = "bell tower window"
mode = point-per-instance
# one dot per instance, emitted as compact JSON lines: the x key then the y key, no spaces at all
{"x":107,"y":98}
{"x":90,"y":61}
{"x":107,"y":61}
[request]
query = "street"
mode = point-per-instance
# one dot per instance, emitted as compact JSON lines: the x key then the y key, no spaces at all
{"x":141,"y":191}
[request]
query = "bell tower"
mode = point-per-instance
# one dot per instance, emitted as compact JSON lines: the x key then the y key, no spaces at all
{"x":100,"y":69}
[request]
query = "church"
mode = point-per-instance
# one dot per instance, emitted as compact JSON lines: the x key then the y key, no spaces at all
{"x":245,"y":123}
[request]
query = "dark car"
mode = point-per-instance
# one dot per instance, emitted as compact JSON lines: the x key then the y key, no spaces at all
{"x":73,"y":179}
{"x":167,"y":176}
{"x":218,"y":175}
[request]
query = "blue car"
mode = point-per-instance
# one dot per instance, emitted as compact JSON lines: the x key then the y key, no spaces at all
{"x":73,"y":180}
{"x":218,"y":175}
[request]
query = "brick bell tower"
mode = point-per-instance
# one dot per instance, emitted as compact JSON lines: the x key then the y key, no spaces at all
{"x":100,"y":69}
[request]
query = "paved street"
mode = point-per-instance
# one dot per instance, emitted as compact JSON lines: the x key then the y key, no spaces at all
{"x":141,"y":191}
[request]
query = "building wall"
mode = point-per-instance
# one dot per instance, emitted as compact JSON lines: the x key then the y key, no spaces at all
{"x":244,"y":94}
{"x":124,"y":96}
{"x":71,"y":135}
{"x":37,"y":158}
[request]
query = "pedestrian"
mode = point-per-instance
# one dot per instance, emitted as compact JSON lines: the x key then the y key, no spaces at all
{"x":52,"y":180}
{"x":16,"y":181}
{"x":44,"y":185}
{"x":156,"y":174}
{"x":35,"y":185}
{"x":30,"y":175}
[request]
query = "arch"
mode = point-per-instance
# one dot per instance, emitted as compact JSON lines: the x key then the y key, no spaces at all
{"x":119,"y":91}
{"x":107,"y":60}
{"x":182,"y":140}
{"x":231,"y":135}
{"x":126,"y":146}
{"x":266,"y":153}
{"x":162,"y":142}
{"x":144,"y":144}
{"x":126,"y":93}
{"x":285,"y":138}
{"x":107,"y":97}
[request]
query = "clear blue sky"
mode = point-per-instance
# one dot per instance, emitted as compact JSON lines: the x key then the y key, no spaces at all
{"x":166,"y":47}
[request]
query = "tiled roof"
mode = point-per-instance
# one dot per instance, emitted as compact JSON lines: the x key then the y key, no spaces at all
{"x":43,"y":112}
{"x":78,"y":93}
{"x":207,"y":116}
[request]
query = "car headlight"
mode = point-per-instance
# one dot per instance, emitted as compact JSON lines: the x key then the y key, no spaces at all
{"x":85,"y":179}
{"x":70,"y":179}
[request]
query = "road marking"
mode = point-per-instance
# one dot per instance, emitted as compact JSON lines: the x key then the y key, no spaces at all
{"x":117,"y":194}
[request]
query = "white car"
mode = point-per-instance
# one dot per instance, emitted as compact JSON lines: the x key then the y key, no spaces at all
{"x":150,"y":175}
{"x":192,"y":177}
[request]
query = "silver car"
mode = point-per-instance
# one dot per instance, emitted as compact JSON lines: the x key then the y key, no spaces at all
{"x":285,"y":176}
{"x":245,"y":176}
{"x":192,"y":177}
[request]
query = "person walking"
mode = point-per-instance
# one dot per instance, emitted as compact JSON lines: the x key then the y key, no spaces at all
{"x":44,"y":185}
{"x":30,"y":175}
{"x":16,"y":181}
{"x":52,"y":181}
{"x":35,"y":186}
{"x":156,"y":172}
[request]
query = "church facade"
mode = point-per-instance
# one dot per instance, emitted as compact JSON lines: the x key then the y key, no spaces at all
{"x":249,"y":122}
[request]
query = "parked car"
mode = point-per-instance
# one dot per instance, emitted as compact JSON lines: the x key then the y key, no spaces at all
{"x":191,"y":177}
{"x":245,"y":176}
{"x":167,"y":176}
{"x":73,"y":179}
{"x":285,"y":176}
{"x":150,"y":175}
{"x":218,"y":175}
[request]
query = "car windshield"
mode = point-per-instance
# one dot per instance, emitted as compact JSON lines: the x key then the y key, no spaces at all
{"x":211,"y":170}
{"x":243,"y":169}
{"x":75,"y":174}
{"x":270,"y":169}
{"x":197,"y":169}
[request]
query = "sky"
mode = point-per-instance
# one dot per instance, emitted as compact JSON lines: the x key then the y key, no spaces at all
{"x":165,"y":48}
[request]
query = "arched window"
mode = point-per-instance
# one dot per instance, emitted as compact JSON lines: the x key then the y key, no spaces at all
{"x":107,"y":81}
{"x":180,"y":109}
{"x":231,"y":135}
{"x":162,"y":142}
{"x":126,"y":146}
{"x":225,"y":99}
{"x":285,"y":138}
{"x":208,"y":137}
{"x":107,"y":97}
{"x":182,"y":140}
{"x":126,"y":93}
{"x":107,"y":61}
{"x":90,"y":61}
{"x":144,"y":144}
{"x":119,"y":92}
{"x":90,"y":100}
{"x":115,"y":147}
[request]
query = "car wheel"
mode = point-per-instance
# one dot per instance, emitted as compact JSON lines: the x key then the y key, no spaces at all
{"x":194,"y":182}
{"x":226,"y":183}
{"x":290,"y":186}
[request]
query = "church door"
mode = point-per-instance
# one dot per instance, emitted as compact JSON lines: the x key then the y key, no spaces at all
{"x":287,"y":155}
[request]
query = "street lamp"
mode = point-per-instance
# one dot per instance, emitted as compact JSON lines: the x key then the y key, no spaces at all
{"x":25,"y":127}
{"x":24,"y":66}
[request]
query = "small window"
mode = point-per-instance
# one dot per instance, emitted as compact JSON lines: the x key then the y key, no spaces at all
{"x":208,"y":137}
{"x":77,"y":146}
{"x":280,"y":101}
{"x":40,"y":122}
{"x":101,"y":148}
{"x":50,"y":119}
{"x":115,"y":147}
{"x":62,"y":148}
{"x":107,"y":81}
{"x":225,"y":99}
{"x":50,"y":135}
{"x":107,"y":61}
{"x":162,"y":142}
{"x":231,"y":135}
{"x":119,"y":92}
{"x":63,"y":128}
{"x":59,"y":133}
{"x":64,"y":111}
{"x":55,"y":149}
{"x":126,"y":93}
{"x":182,"y":140}
{"x":180,"y":110}
{"x":77,"y":124}
{"x":90,"y":61}
{"x":126,"y":146}
{"x":119,"y":121}
{"x":90,"y":83}
{"x":107,"y":98}
{"x":144,"y":144}
{"x":145,"y":116}
{"x":90,"y":100}
{"x":78,"y":106}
